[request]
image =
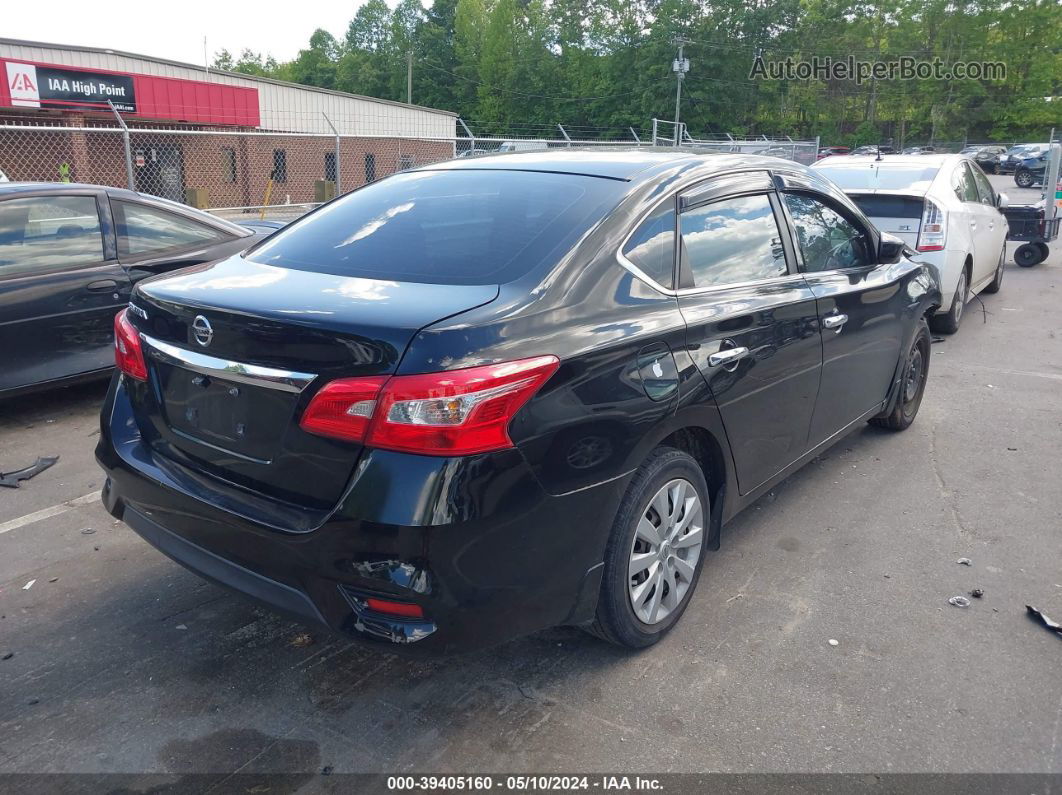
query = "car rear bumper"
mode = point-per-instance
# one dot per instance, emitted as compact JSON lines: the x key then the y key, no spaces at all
{"x":484,"y":551}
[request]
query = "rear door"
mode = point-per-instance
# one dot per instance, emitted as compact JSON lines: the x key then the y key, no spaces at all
{"x":751,"y":321}
{"x":60,"y":287}
{"x":860,"y":307}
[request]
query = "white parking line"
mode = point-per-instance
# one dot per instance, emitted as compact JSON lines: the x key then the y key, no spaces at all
{"x":47,"y":513}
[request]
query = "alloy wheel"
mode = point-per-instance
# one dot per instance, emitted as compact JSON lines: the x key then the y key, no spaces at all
{"x":960,"y":297}
{"x":667,"y":546}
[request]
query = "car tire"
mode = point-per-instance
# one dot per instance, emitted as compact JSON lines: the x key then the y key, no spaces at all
{"x":948,"y":323}
{"x":912,"y":385}
{"x":626,"y":602}
{"x":1028,"y":254}
{"x":1024,"y":178}
{"x":997,"y":281}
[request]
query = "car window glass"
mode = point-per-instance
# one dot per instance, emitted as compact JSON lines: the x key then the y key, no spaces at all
{"x":984,"y":188}
{"x":732,"y":241}
{"x":828,"y":240}
{"x":652,"y":246}
{"x":46,"y":232}
{"x":460,"y":226}
{"x":963,"y":185}
{"x":146,"y":230}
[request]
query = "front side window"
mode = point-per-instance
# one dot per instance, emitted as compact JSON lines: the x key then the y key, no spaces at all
{"x":984,"y":188}
{"x":146,"y":230}
{"x":732,"y":241}
{"x":652,"y":246}
{"x":827,"y":240}
{"x":47,"y":232}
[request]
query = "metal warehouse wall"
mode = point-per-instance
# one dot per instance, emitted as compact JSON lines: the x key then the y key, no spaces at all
{"x":282,"y":106}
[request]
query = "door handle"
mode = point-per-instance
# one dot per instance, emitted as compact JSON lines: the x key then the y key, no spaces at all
{"x":727,"y":356}
{"x":834,"y":321}
{"x":102,"y":286}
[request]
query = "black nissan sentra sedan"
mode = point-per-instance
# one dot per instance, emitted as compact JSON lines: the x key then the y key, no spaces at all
{"x":486,"y":397}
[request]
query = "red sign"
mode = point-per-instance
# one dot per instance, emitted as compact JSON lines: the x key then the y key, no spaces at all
{"x":162,"y":98}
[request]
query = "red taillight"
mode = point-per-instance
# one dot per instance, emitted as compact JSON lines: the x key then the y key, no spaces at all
{"x":457,"y":412}
{"x":932,"y":232}
{"x":128,"y":352}
{"x":403,"y":609}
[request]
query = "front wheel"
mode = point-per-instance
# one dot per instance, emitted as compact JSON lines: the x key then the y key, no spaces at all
{"x":912,"y":384}
{"x":997,"y":280}
{"x":655,"y":552}
{"x":1024,"y":178}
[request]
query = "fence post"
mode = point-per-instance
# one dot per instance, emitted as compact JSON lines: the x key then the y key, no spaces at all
{"x":565,"y":134}
{"x":654,"y":131}
{"x":126,"y":143}
{"x":339,"y":170}
{"x":636,"y":138}
{"x":468,"y":132}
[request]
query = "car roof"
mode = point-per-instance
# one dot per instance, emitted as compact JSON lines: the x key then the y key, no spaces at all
{"x":860,"y":161}
{"x":627,"y":165}
{"x":65,"y":187}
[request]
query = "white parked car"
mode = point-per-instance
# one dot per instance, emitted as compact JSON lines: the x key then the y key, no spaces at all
{"x":943,"y":207}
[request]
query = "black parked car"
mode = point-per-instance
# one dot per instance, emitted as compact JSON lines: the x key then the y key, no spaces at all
{"x":1031,"y":170}
{"x":485,"y":397}
{"x":987,"y":156}
{"x":1011,"y":160}
{"x":69,"y":256}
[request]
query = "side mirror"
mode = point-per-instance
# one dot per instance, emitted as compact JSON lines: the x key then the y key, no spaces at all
{"x":1002,"y":200}
{"x":890,"y":249}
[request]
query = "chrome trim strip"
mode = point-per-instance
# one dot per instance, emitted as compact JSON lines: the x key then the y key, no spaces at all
{"x":284,"y":380}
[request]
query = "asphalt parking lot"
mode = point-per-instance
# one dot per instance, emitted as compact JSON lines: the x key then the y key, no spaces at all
{"x":122,"y":661}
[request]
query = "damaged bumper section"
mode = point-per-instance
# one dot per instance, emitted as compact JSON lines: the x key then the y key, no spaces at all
{"x":428,"y":555}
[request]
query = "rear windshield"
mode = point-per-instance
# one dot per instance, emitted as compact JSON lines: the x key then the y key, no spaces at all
{"x":881,"y":176}
{"x":878,"y":206}
{"x":465,"y":226}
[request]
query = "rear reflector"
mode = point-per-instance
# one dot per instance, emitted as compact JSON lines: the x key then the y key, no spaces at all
{"x":456,"y":412}
{"x":128,"y":352}
{"x":403,"y":609}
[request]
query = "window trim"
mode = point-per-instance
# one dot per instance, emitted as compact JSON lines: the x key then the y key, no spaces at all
{"x":65,"y":268}
{"x":224,"y":235}
{"x":843,"y":212}
{"x":629,"y":265}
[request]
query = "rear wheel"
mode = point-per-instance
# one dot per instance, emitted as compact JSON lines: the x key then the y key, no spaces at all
{"x":997,"y":281}
{"x":655,"y":551}
{"x":1024,"y":178}
{"x":912,"y":384}
{"x":948,"y":323}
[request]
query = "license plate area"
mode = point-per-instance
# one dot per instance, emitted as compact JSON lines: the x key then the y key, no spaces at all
{"x":236,"y":417}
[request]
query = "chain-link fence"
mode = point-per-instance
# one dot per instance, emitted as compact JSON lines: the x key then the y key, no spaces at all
{"x":275,"y":174}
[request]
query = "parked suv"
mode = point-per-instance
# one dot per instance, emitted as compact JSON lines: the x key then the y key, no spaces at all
{"x":481,"y":398}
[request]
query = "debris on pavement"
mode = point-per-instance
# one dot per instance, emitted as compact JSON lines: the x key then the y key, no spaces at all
{"x":834,"y":642}
{"x":302,"y":640}
{"x":959,"y":601}
{"x":7,"y":655}
{"x":87,"y":531}
{"x":1044,"y":621}
{"x":28,"y":585}
{"x":964,"y":562}
{"x":13,"y":479}
{"x":181,"y":626}
{"x":977,"y":593}
{"x":53,"y":579}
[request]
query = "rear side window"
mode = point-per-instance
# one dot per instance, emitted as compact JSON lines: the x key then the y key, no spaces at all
{"x":984,"y":187}
{"x":652,"y":246}
{"x":466,"y":226}
{"x":47,"y":232}
{"x":732,"y":241}
{"x":964,"y":186}
{"x":144,"y":230}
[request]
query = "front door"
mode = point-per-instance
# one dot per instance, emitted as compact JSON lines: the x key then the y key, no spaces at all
{"x":60,"y":287}
{"x":751,"y":322}
{"x":861,"y":308}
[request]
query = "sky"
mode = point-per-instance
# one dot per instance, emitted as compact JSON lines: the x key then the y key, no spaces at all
{"x":176,"y":30}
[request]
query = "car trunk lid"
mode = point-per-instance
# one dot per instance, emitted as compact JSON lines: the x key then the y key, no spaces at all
{"x":235,"y":349}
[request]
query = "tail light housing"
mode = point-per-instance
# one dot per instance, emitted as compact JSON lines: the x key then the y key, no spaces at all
{"x":456,"y":412}
{"x":932,"y":232}
{"x":128,"y":350}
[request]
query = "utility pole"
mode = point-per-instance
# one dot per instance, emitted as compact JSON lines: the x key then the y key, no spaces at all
{"x":679,"y":66}
{"x":409,"y":77}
